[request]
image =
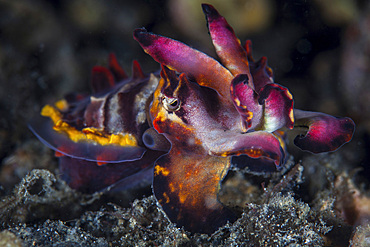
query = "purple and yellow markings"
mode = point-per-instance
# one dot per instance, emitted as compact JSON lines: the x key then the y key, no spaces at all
{"x":212,"y":114}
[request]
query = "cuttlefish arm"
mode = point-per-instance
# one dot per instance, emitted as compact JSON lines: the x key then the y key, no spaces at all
{"x":205,"y":70}
{"x":269,"y":110}
{"x":227,"y":45}
{"x":257,"y":144}
{"x":323,"y":133}
{"x":187,"y":179}
{"x":186,"y":185}
{"x":236,"y":58}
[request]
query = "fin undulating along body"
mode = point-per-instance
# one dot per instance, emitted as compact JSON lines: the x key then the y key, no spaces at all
{"x":99,"y":137}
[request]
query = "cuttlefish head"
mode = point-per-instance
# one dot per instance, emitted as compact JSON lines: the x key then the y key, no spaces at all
{"x":187,"y":179}
{"x":181,"y":108}
{"x":194,"y":118}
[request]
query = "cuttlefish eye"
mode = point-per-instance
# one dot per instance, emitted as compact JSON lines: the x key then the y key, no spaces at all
{"x":171,"y":104}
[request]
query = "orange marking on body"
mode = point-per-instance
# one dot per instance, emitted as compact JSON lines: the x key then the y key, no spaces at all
{"x":166,"y":197}
{"x":198,"y":141}
{"x":250,"y":115}
{"x":291,"y":116}
{"x":100,"y":159}
{"x":237,"y":101}
{"x":88,"y":134}
{"x":172,"y":187}
{"x":279,"y":134}
{"x":62,"y":105}
{"x":290,"y":96}
{"x":156,"y":125}
{"x":100,"y":163}
{"x":188,"y":174}
{"x":182,"y":197}
{"x":51,"y":112}
{"x":254,"y":153}
{"x":58,"y":154}
{"x":161,"y":170}
{"x":61,"y":150}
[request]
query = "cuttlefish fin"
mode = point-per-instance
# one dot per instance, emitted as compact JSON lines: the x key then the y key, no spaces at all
{"x":87,"y":150}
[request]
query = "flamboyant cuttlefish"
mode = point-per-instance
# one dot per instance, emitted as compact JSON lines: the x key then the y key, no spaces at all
{"x":192,"y":122}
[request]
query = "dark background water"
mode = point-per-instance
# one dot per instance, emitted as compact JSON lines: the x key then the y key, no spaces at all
{"x":320,"y":51}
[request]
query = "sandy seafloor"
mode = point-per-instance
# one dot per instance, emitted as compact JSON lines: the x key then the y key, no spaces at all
{"x":320,"y":52}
